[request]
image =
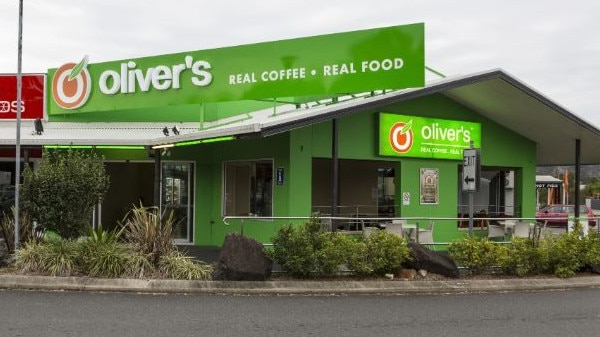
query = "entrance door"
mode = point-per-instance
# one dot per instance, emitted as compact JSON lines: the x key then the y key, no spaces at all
{"x":177,"y":196}
{"x":131,"y":185}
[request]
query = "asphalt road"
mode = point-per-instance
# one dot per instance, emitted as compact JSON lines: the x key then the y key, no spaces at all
{"x":531,"y":314}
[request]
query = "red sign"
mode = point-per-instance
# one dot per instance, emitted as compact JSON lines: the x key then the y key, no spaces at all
{"x":32,"y":96}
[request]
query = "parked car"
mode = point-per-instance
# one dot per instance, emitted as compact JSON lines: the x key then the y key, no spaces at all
{"x":557,"y":215}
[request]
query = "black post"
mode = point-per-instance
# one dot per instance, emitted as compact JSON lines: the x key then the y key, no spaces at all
{"x":577,"y":172}
{"x":157,"y":166}
{"x":335,"y":169}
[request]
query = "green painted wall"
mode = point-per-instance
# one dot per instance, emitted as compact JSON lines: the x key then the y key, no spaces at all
{"x":210,"y":229}
{"x":448,"y":196}
{"x":295,"y":150}
{"x":358,"y":140}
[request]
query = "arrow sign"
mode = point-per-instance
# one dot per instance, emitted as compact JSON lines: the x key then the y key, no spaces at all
{"x":471,"y":170}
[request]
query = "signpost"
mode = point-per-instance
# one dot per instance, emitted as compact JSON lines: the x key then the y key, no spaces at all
{"x":471,"y":170}
{"x":471,"y":174}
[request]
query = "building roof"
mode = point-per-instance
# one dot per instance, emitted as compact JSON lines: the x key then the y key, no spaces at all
{"x":547,"y":179}
{"x":494,"y":94}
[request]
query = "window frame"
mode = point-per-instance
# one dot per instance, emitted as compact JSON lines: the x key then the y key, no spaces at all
{"x":251,"y":163}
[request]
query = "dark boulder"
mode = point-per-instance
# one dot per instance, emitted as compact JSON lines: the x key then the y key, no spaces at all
{"x":594,"y":269}
{"x":242,"y":259}
{"x":431,"y":261}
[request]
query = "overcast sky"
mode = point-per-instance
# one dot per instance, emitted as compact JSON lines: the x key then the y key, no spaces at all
{"x":552,"y":46}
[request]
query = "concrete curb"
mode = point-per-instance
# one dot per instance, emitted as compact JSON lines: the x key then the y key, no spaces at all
{"x":25,"y":282}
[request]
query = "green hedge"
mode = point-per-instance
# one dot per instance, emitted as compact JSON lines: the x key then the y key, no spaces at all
{"x":310,"y":250}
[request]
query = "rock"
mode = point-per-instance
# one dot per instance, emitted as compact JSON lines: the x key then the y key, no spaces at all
{"x":242,"y":259}
{"x":432,"y":262}
{"x":595,"y":269}
{"x":407,"y":274}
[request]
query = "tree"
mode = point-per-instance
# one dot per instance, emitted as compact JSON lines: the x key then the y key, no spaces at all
{"x":592,"y":188}
{"x":62,"y":192}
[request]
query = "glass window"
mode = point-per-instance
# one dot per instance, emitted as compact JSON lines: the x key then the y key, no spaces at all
{"x":386,"y":192}
{"x":248,"y":188}
{"x":177,"y":194}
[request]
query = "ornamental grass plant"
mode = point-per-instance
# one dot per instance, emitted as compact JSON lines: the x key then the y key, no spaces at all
{"x":141,"y":248}
{"x":149,"y":232}
{"x":52,"y":257}
{"x":176,"y":265}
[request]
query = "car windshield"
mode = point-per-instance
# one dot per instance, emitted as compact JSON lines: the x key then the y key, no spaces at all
{"x":553,"y":209}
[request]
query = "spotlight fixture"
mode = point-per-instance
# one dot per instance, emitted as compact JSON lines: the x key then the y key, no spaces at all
{"x":39,"y":128}
{"x":166,"y":131}
{"x":175,"y":130}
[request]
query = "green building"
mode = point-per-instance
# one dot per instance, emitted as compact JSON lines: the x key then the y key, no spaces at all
{"x":356,"y":135}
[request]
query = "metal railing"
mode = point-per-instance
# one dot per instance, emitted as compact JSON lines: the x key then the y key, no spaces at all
{"x":356,"y":225}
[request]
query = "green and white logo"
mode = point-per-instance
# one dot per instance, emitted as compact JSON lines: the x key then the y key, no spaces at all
{"x":422,"y":137}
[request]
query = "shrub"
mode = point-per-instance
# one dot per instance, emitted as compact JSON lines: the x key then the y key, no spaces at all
{"x":540,"y":258}
{"x":63,"y":190}
{"x":180,"y":267}
{"x":591,"y":249}
{"x":385,"y":252}
{"x":566,"y":255}
{"x":519,"y":258}
{"x":358,"y":259}
{"x":310,"y":250}
{"x":294,"y":250}
{"x":479,"y":255}
{"x":333,"y":255}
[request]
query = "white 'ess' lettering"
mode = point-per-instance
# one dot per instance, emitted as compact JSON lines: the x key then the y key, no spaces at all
{"x":11,"y":106}
{"x":130,"y":79}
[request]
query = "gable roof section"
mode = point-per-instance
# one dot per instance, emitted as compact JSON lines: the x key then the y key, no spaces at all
{"x":501,"y":98}
{"x":493,"y":94}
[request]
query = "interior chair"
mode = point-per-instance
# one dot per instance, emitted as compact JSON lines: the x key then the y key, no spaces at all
{"x":425,"y":235}
{"x":495,"y":231}
{"x":396,"y":227}
{"x":327,"y":223}
{"x":368,"y":231}
{"x":539,"y":230}
{"x":521,"y":229}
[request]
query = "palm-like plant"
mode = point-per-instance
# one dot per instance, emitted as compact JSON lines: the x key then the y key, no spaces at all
{"x":7,"y":227}
{"x":149,"y":232}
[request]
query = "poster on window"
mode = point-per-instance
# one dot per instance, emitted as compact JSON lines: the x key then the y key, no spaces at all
{"x":429,"y":186}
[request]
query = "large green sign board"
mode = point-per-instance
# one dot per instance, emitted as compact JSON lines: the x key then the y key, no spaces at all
{"x":359,"y":61}
{"x":422,"y":137}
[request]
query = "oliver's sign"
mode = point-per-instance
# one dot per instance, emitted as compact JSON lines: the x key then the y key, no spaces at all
{"x":422,"y":137}
{"x":359,"y":61}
